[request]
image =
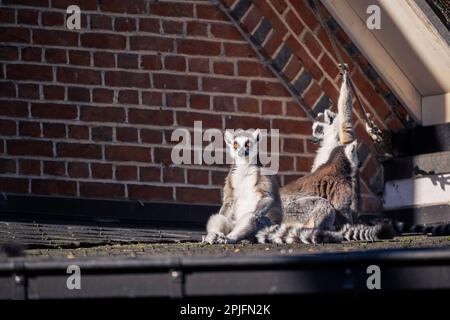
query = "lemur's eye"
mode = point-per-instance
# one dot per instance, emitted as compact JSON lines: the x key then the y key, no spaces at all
{"x":318,"y":130}
{"x":235,"y":145}
{"x":247,"y":144}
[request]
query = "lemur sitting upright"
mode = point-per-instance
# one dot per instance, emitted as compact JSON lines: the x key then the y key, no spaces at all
{"x":250,"y":199}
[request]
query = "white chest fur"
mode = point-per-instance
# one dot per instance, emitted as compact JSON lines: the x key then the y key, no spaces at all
{"x":323,"y":153}
{"x":245,"y":197}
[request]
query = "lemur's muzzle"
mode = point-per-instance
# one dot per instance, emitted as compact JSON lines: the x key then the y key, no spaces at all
{"x":315,"y":140}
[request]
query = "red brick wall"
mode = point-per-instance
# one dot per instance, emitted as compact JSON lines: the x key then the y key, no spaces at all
{"x":89,"y":113}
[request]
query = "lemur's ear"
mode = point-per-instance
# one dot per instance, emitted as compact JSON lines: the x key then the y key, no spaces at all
{"x":256,"y":134}
{"x":329,"y":116}
{"x":229,"y":137}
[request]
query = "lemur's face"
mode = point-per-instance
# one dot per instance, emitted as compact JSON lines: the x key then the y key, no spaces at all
{"x":324,"y":124}
{"x":243,"y":145}
{"x":351,"y":152}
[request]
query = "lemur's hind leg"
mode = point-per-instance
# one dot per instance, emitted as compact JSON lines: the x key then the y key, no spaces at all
{"x":309,"y":212}
{"x":346,"y":132}
{"x":218,"y":227}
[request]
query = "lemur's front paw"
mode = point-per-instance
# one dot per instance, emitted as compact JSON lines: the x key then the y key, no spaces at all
{"x":211,"y":238}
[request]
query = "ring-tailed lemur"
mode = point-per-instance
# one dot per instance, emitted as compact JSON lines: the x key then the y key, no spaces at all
{"x":317,"y":204}
{"x":251,"y":200}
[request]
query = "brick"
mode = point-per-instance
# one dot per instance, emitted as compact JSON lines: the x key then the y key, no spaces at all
{"x":272,"y":107}
{"x":304,"y":164}
{"x":150,"y":136}
{"x":302,"y":82}
{"x":80,"y":58}
{"x":268,"y":12}
{"x":173,"y":174}
{"x":101,"y":170}
{"x":294,"y":23}
{"x":101,"y":190}
{"x":29,"y":147}
{"x":54,"y":168}
{"x":7,"y":166}
{"x":32,"y":54}
{"x":27,"y":90}
{"x":54,"y":92}
{"x":242,"y":122}
{"x":119,"y":6}
{"x":177,"y":82}
{"x":14,"y":108}
{"x":54,"y":130}
{"x":312,"y":44}
{"x":292,"y":126}
{"x":103,"y":41}
{"x":223,"y":103}
{"x":172,"y":9}
{"x":29,"y":72}
{"x":330,"y":90}
{"x":78,"y":132}
{"x":176,"y":99}
{"x":149,"y":174}
{"x":195,"y":28}
{"x":13,"y":34}
{"x":274,"y":42}
{"x":293,"y":109}
{"x":282,"y":58}
{"x":26,"y":16}
{"x":225,"y":31}
{"x":55,"y":37}
{"x":100,"y":22}
{"x":127,"y":134}
{"x":293,"y":145}
{"x":125,"y":24}
{"x":248,"y":105}
{"x":286,"y":163}
{"x":262,"y":31}
{"x":226,"y":68}
{"x":304,"y":57}
{"x":176,"y":63}
{"x":7,"y":127}
{"x":265,"y":88}
{"x":151,"y":98}
{"x":104,"y":60}
{"x":312,"y":94}
{"x":30,"y":129}
{"x":239,"y":9}
{"x":126,"y":173}
{"x":78,"y":170}
{"x":78,"y":94}
{"x":198,"y":47}
{"x":55,"y":56}
{"x":127,"y":153}
{"x":199,"y":65}
{"x":52,"y":19}
{"x":149,"y":192}
{"x":210,"y":12}
{"x":127,"y":79}
{"x":151,"y":43}
{"x":79,"y":76}
{"x":7,"y":15}
{"x":79,"y":150}
{"x":102,"y":114}
{"x":152,"y":117}
{"x":173,"y":27}
{"x":8,"y":89}
{"x":29,"y":167}
{"x":253,"y":69}
{"x":187,"y":119}
{"x":218,"y":177}
{"x":199,"y":101}
{"x":329,"y":65}
{"x":102,"y":95}
{"x":305,"y":13}
{"x":149,"y":25}
{"x":14,"y":185}
{"x":83,"y":4}
{"x":101,"y":133}
{"x":53,"y":111}
{"x":151,"y":62}
{"x":198,"y":177}
{"x":224,"y":85}
{"x":128,"y":97}
{"x":8,"y":53}
{"x":251,"y":19}
{"x":197,"y":195}
{"x":128,"y":61}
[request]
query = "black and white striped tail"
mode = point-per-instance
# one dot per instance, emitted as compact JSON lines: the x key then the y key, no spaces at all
{"x":290,"y":234}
